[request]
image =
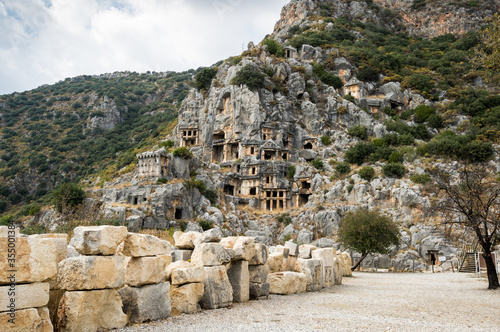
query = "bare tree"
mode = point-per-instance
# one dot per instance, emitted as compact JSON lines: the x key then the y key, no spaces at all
{"x":471,"y":202}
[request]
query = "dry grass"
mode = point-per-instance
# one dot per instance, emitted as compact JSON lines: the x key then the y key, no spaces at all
{"x":167,"y":234}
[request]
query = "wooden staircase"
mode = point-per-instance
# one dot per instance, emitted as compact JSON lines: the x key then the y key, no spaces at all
{"x":468,"y":258}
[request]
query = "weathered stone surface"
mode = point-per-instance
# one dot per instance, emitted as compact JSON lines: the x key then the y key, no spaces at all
{"x":258,"y":273}
{"x":187,"y":240}
{"x":98,"y":240}
{"x":140,"y":245}
{"x":285,"y":283}
{"x":26,"y":296}
{"x":150,"y":302}
{"x":259,"y":291}
{"x":91,"y":272}
{"x":36,"y":259}
{"x":211,"y":235}
{"x":182,"y":276}
{"x":72,"y":252}
{"x":218,"y":292}
{"x":293,"y":248}
{"x":33,"y":320}
{"x":260,"y":256}
{"x":182,"y":255}
{"x":144,"y":270}
{"x":167,"y":259}
{"x":243,"y":247}
{"x":305,"y":251}
{"x":337,"y":271}
{"x":275,"y":262}
{"x":289,"y":264}
{"x":209,"y":254}
{"x":346,"y":264}
{"x":326,"y":255}
{"x":313,"y":269}
{"x":4,"y":231}
{"x":90,"y":311}
{"x":238,"y":275}
{"x":185,"y":298}
{"x":283,"y":250}
{"x":60,"y":242}
{"x":176,"y":265}
{"x":55,"y":296}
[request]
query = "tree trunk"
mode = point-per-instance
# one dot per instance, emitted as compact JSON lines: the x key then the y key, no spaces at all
{"x":492,"y":273}
{"x":360,"y":260}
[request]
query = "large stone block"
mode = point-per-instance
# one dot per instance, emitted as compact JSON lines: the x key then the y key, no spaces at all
{"x":182,"y":255}
{"x":95,"y":310}
{"x":98,"y":240}
{"x":285,"y":251}
{"x":32,"y":320}
{"x":337,"y":271}
{"x":187,"y":240}
{"x":24,"y":296}
{"x":176,"y":265}
{"x":239,"y":278}
{"x":91,"y":272}
{"x":210,"y":254}
{"x":185,"y":298}
{"x":146,"y":303}
{"x":242,"y":246}
{"x":260,"y":256}
{"x":218,"y":292}
{"x":140,"y":245}
{"x":144,"y":270}
{"x":211,"y":235}
{"x":326,"y":255}
{"x":35,"y":259}
{"x":258,"y":273}
{"x":259,"y":291}
{"x":305,"y":251}
{"x":346,"y":261}
{"x":293,"y":248}
{"x":313,"y":269}
{"x":285,"y":283}
{"x":275,"y":262}
{"x":60,"y":242}
{"x":187,"y":275}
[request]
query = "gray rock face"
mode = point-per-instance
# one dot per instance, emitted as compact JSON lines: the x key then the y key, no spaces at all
{"x":142,"y":304}
{"x":218,"y":289}
{"x":107,"y":115}
{"x":239,"y":278}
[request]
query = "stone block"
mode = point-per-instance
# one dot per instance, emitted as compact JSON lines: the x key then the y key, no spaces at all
{"x":313,"y":269}
{"x":275,"y":262}
{"x":60,"y":242}
{"x":6,"y":230}
{"x":144,"y":270}
{"x":182,"y":255}
{"x":238,"y":274}
{"x":94,"y":310}
{"x":146,"y":303}
{"x":326,"y":255}
{"x":210,"y":254}
{"x":293,"y":248}
{"x":305,"y":251}
{"x":211,"y":235}
{"x":33,"y":320}
{"x":258,"y":273}
{"x":346,"y":264}
{"x":176,"y":265}
{"x":259,"y":291}
{"x":55,"y":296}
{"x":140,"y":245}
{"x":260,"y":256}
{"x":91,"y":272}
{"x":187,"y":240}
{"x":285,"y":283}
{"x":283,"y":250}
{"x":218,"y":292}
{"x":337,"y":271}
{"x":36,"y":259}
{"x":185,"y":298}
{"x":72,"y":251}
{"x":98,"y":240}
{"x":289,"y":263}
{"x":167,"y":259}
{"x":243,"y":247}
{"x":187,"y":275}
{"x":25,"y":296}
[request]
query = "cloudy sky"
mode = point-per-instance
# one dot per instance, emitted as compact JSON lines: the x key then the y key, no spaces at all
{"x":44,"y":41}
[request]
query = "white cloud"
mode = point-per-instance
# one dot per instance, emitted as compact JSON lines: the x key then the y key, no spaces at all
{"x":47,"y":41}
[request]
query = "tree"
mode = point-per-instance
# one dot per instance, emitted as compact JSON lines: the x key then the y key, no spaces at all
{"x":489,"y":54}
{"x":68,"y":195}
{"x":368,"y":232}
{"x":204,"y":78}
{"x":470,"y":202}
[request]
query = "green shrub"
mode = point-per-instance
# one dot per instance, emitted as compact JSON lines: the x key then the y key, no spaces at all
{"x":162,"y":180}
{"x":183,"y":225}
{"x":205,"y":225}
{"x":285,"y":219}
{"x":342,"y":168}
{"x":359,"y":153}
{"x":390,"y":111}
{"x":318,"y":164}
{"x":332,"y":80}
{"x":183,"y":152}
{"x":358,"y":131}
{"x":291,"y":171}
{"x":68,"y":195}
{"x":435,"y":121}
{"x":394,"y":170}
{"x":211,"y":195}
{"x":167,"y":144}
{"x":421,"y":82}
{"x":421,"y":178}
{"x":204,"y":78}
{"x":30,"y":210}
{"x":274,"y":47}
{"x":326,"y":140}
{"x":350,"y":98}
{"x":395,"y":158}
{"x":423,"y":112}
{"x":367,"y":173}
{"x":6,"y":220}
{"x":250,"y":76}
{"x":367,"y":74}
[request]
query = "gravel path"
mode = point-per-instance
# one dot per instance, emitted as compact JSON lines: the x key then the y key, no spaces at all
{"x":365,"y":302}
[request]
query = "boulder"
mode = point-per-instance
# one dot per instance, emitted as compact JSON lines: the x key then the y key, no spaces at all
{"x":313,"y":269}
{"x":140,"y":245}
{"x":258,"y":273}
{"x":293,"y":248}
{"x":285,"y":283}
{"x":144,"y":270}
{"x":243,"y":247}
{"x":305,"y":251}
{"x":185,"y":298}
{"x":346,"y":264}
{"x":259,"y":291}
{"x":91,"y":272}
{"x":283,"y":250}
{"x":26,"y":296}
{"x":187,"y":275}
{"x":327,"y":257}
{"x":36,"y":259}
{"x":260,"y":256}
{"x":275,"y":262}
{"x":238,"y":275}
{"x":150,"y":302}
{"x":187,"y":240}
{"x":210,"y":254}
{"x":289,"y":264}
{"x":33,"y":320}
{"x":176,"y":265}
{"x":90,"y":311}
{"x":212,"y":235}
{"x":72,"y":252}
{"x":218,"y":292}
{"x":98,"y":240}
